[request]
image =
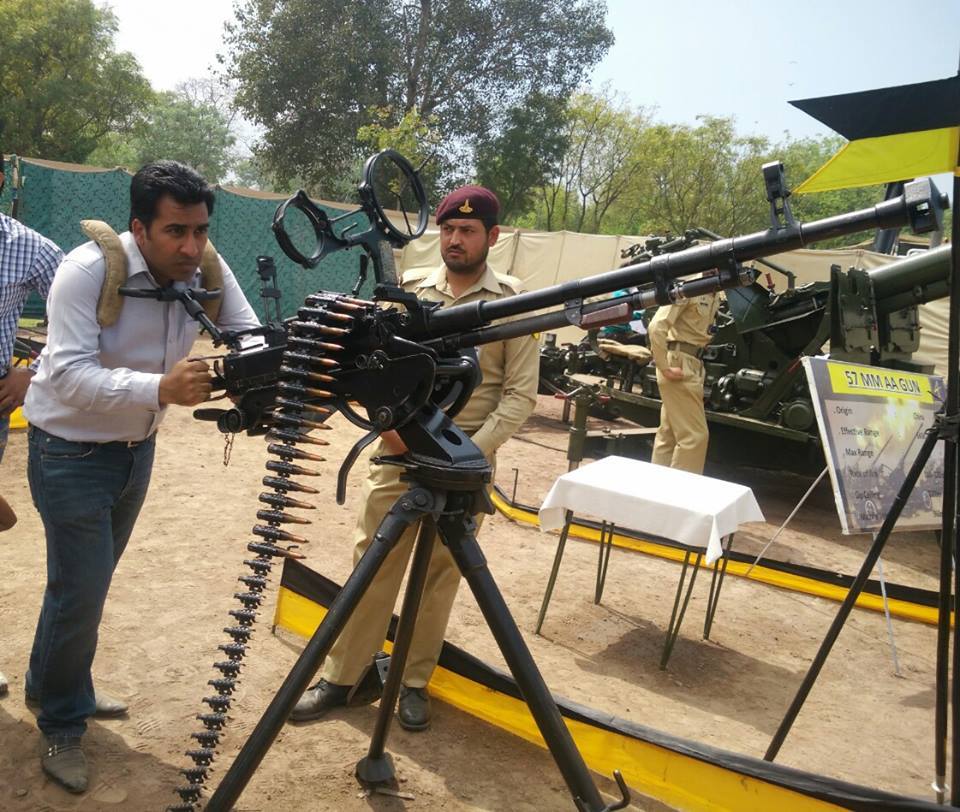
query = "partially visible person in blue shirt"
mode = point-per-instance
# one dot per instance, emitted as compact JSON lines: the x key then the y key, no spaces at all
{"x":27,"y":262}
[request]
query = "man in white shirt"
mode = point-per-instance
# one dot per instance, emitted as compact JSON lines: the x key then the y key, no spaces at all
{"x":94,"y":406}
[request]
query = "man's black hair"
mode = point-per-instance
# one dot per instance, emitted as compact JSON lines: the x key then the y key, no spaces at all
{"x":153,"y":181}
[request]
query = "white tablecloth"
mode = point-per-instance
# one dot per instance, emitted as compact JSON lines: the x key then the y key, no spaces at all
{"x":694,"y":510}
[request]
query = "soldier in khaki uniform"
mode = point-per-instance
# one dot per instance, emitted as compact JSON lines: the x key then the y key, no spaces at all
{"x":678,"y":333}
{"x":500,"y":404}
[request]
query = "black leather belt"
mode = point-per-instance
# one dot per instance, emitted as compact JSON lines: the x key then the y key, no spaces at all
{"x":684,"y":347}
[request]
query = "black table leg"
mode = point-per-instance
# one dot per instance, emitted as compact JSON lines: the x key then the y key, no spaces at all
{"x":556,"y":568}
{"x":673,"y":630}
{"x":606,"y":544}
{"x":714,"y":597}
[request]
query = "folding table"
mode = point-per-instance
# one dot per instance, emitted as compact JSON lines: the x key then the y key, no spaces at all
{"x":700,"y":514}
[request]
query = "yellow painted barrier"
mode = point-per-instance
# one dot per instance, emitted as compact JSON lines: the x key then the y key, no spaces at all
{"x":17,"y":420}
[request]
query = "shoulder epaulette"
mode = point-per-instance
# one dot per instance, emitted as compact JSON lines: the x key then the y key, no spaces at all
{"x":513,"y":282}
{"x":416,"y":274}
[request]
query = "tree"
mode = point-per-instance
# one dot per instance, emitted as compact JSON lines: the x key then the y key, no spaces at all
{"x":178,"y":128}
{"x":64,"y":84}
{"x":705,"y":175}
{"x":313,"y":72}
{"x":419,"y":141}
{"x":803,"y":157}
{"x":602,"y":136}
{"x":516,"y":166}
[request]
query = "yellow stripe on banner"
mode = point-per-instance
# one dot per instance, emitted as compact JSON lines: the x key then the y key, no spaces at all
{"x":888,"y":158}
{"x":784,"y":580}
{"x":673,"y":778}
{"x":850,"y":379}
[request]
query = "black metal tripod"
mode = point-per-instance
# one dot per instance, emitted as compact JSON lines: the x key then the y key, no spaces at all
{"x":445,"y":492}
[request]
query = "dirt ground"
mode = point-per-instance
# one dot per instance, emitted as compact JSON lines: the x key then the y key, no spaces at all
{"x":172,"y":590}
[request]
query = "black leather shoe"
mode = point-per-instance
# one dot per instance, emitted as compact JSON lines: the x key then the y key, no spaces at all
{"x":107,"y":707}
{"x":4,"y":688}
{"x":319,"y":700}
{"x":63,"y":760}
{"x":414,"y":712}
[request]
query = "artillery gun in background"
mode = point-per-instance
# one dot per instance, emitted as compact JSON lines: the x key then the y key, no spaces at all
{"x":757,"y":401}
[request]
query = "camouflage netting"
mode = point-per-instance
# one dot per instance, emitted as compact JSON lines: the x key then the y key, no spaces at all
{"x":55,"y":197}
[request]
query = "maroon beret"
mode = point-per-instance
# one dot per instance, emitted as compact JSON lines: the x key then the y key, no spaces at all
{"x":474,"y":202}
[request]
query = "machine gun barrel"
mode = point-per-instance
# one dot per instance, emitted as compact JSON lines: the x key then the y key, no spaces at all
{"x":598,"y":314}
{"x":920,"y":206}
{"x":913,"y":280}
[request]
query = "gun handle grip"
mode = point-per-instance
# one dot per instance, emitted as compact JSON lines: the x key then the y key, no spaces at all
{"x":208,"y":414}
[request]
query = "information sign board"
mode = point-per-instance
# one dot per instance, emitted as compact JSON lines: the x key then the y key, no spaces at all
{"x":872,"y":422}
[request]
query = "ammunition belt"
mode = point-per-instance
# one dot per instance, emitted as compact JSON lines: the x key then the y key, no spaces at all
{"x":689,"y":349}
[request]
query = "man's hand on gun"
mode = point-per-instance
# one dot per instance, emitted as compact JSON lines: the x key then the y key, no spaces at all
{"x":187,"y":384}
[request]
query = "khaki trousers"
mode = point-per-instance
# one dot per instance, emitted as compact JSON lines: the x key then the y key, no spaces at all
{"x":682,"y":437}
{"x":366,"y":630}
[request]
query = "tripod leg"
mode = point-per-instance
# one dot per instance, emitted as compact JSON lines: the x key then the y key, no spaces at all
{"x":457,"y":533}
{"x":408,"y":508}
{"x":855,"y":589}
{"x":377,"y":766}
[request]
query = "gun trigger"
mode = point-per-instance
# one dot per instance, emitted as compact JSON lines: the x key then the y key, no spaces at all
{"x":348,"y":462}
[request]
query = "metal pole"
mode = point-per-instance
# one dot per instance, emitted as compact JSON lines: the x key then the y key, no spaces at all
{"x":950,"y":501}
{"x":886,"y":611}
{"x":786,"y":521}
{"x":855,"y":589}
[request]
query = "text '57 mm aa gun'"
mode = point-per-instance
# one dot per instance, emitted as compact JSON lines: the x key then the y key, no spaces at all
{"x":399,"y":363}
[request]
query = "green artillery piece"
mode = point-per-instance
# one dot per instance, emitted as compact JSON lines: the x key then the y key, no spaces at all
{"x":755,"y":389}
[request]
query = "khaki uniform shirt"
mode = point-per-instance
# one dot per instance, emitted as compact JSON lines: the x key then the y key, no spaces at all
{"x":687,"y":322}
{"x":507,"y":393}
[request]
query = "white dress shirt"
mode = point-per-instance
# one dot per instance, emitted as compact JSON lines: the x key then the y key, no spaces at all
{"x":100,"y":384}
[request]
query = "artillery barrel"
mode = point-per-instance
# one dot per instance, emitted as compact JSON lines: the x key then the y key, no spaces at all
{"x":918,"y":196}
{"x":911,"y":281}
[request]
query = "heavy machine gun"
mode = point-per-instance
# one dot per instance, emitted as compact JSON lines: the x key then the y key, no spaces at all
{"x":399,"y":363}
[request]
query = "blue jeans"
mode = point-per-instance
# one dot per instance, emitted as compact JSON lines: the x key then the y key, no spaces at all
{"x":89,"y":496}
{"x":4,"y":432}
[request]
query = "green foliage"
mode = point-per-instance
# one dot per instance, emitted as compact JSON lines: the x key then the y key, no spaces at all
{"x":622,"y":173}
{"x":803,"y":157}
{"x":64,"y":85}
{"x":174,"y":127}
{"x":704,"y":175}
{"x":313,"y":73}
{"x":513,"y":164}
{"x":603,"y":156}
{"x":250,"y":173}
{"x":415,"y":137}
